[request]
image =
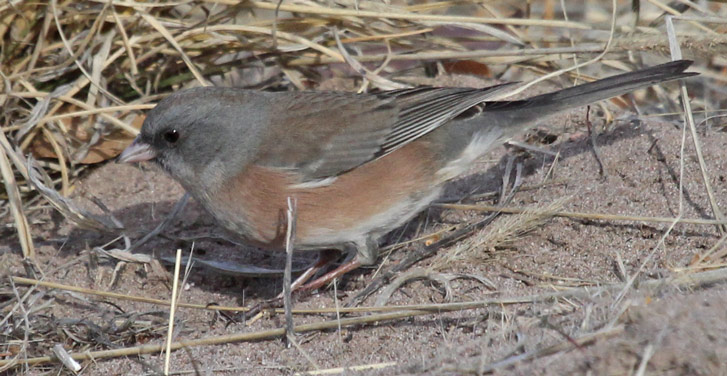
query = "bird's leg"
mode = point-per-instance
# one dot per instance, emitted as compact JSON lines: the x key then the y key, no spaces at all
{"x":328,"y":277}
{"x":366,"y":253}
{"x":325,"y":257}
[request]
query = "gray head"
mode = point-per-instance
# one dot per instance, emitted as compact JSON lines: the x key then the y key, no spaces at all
{"x":201,"y":133}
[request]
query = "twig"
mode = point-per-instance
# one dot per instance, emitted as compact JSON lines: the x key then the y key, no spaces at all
{"x":682,"y":279}
{"x":338,"y":309}
{"x":381,"y":82}
{"x":125,"y":39}
{"x":674,"y":12}
{"x":261,"y":30}
{"x":676,"y":54}
{"x":456,"y":55}
{"x":78,"y":63}
{"x":289,"y":247}
{"x":65,"y":358}
{"x":593,"y":136}
{"x":550,"y":75}
{"x":168,"y":36}
{"x":65,"y":182}
{"x":589,"y":216}
{"x":69,"y":99}
{"x":239,"y":337}
{"x":172,"y":311}
{"x":410,"y":16}
{"x":16,"y":203}
{"x":344,"y":370}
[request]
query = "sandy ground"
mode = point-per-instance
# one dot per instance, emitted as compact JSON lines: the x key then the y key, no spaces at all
{"x":666,"y":328}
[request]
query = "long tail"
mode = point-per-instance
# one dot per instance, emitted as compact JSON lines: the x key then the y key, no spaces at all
{"x":517,"y":113}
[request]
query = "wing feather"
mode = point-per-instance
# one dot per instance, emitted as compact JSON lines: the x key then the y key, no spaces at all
{"x":334,"y":132}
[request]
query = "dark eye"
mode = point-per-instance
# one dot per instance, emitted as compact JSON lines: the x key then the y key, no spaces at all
{"x":171,"y":136}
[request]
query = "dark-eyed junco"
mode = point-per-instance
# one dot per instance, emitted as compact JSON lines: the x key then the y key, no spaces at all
{"x":358,"y":165}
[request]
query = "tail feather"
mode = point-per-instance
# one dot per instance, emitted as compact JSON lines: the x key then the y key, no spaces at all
{"x":515,"y":113}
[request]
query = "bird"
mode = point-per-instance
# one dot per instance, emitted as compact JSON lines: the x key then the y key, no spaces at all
{"x":357,"y":165}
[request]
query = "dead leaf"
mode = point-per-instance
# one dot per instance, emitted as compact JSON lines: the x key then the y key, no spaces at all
{"x":467,"y":67}
{"x":108,"y":147}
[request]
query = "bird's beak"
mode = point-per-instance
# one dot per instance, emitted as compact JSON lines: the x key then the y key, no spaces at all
{"x":138,"y":151}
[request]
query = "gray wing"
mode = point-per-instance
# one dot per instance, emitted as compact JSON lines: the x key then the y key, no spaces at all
{"x":325,"y":134}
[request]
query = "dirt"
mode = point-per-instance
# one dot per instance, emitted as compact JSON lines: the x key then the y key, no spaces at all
{"x":665,"y":329}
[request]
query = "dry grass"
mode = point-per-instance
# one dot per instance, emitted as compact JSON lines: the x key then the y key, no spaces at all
{"x":76,"y":78}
